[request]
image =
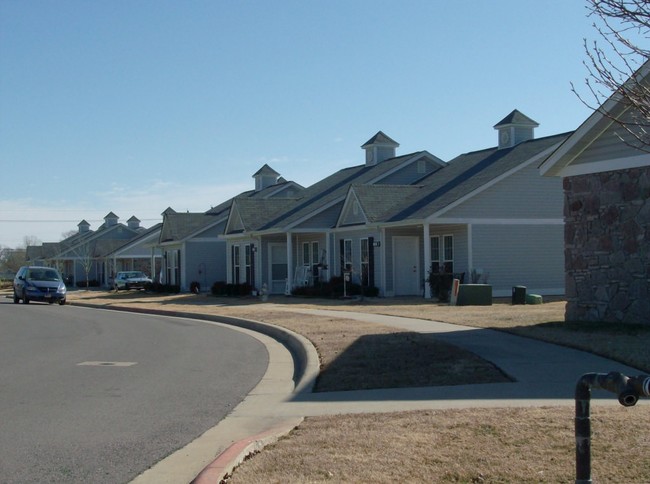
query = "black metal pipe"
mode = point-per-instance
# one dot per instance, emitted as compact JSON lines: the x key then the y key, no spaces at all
{"x":628,"y":390}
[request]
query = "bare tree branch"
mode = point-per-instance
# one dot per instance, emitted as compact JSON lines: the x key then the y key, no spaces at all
{"x":614,"y":65}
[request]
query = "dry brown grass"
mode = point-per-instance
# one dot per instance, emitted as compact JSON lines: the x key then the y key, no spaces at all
{"x":513,"y":445}
{"x":473,"y":446}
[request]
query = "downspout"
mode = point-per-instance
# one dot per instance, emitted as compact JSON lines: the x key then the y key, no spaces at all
{"x":384,"y":267}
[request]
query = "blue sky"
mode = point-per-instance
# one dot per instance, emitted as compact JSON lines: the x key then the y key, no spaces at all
{"x":134,"y":106}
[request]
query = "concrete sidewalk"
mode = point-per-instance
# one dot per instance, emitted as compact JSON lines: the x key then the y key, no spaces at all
{"x":544,"y":374}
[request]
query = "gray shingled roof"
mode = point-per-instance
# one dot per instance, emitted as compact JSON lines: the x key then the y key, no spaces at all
{"x":378,"y":201}
{"x":256,"y":212}
{"x":382,"y":139}
{"x":333,"y":188}
{"x":178,"y":226}
{"x":516,"y":117}
{"x":466,"y":173}
{"x":141,"y":235}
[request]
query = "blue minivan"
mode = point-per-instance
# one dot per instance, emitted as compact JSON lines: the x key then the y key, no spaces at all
{"x":34,"y":283}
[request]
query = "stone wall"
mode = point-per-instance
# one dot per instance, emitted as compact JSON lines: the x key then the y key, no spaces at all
{"x":607,"y":246}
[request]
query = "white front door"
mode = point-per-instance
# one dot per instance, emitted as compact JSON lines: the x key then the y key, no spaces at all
{"x":406,"y":266}
{"x":278,"y":268}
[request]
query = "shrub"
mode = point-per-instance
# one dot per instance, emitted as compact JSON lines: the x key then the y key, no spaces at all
{"x":221,"y":288}
{"x":334,"y":288}
{"x":163,"y":288}
{"x":90,"y":283}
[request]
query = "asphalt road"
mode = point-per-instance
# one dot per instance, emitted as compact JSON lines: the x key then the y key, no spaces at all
{"x":99,"y":396}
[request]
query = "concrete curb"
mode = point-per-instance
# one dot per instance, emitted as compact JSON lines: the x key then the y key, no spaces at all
{"x":234,"y":455}
{"x":305,"y":357}
{"x":306,"y":370}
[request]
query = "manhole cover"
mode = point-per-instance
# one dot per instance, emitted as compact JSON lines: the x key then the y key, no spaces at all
{"x":107,"y":363}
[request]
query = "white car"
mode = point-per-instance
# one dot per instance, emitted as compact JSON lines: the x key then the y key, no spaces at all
{"x":130,"y":280}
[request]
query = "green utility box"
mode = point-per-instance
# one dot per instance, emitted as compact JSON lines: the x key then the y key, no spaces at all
{"x":474,"y":295}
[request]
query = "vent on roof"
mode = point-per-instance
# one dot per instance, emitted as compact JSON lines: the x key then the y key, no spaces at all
{"x":133,"y":223}
{"x":265,"y":177}
{"x":83,"y":227}
{"x":515,"y":128}
{"x":111,"y":219}
{"x":379,"y":148}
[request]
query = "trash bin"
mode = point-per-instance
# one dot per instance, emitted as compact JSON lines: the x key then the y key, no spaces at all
{"x":519,"y":295}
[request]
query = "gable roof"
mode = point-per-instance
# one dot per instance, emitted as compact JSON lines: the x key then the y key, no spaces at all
{"x":334,"y":188}
{"x":381,"y":139}
{"x":518,"y":118}
{"x":100,"y":240}
{"x":148,"y":233}
{"x":378,"y":201}
{"x":463,"y":175}
{"x":561,"y":161}
{"x":254,"y":212}
{"x":179,"y":226}
{"x":266,"y":170}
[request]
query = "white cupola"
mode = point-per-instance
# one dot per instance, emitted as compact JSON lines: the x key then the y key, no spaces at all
{"x":515,"y":128}
{"x":133,"y":223}
{"x":265,"y":177}
{"x":110,"y":219}
{"x":379,"y":148}
{"x":83,"y":227}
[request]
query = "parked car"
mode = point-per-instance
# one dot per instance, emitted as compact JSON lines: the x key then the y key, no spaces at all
{"x":130,"y":280}
{"x":35,"y":283}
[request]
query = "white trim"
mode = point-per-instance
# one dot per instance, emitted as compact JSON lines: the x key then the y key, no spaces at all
{"x":587,"y":168}
{"x":348,"y":204}
{"x":418,"y":278}
{"x":498,"y":221}
{"x":427,"y":259}
{"x":290,"y":262}
{"x":590,"y":130}
{"x":383,"y":251}
{"x":470,"y":248}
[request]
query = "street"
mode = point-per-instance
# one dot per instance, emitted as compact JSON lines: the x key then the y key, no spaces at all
{"x":100,"y":396}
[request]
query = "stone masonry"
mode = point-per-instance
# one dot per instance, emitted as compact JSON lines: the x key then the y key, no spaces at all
{"x":607,"y":246}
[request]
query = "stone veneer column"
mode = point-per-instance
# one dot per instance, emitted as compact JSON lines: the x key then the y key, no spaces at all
{"x":607,"y":246}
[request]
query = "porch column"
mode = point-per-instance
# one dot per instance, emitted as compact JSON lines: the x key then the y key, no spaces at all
{"x":289,"y":264}
{"x":427,"y":260}
{"x":328,"y":255}
{"x":382,"y":254}
{"x":470,"y":253}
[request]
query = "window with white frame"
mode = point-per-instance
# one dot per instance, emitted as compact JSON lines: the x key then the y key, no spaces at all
{"x":448,"y":253}
{"x":442,"y":255}
{"x":435,"y":253}
{"x":172,"y":267}
{"x":306,"y":256}
{"x":235,"y":264}
{"x":365,"y":262}
{"x":347,"y":254}
{"x":247,"y":263}
{"x":315,"y":253}
{"x":315,"y":261}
